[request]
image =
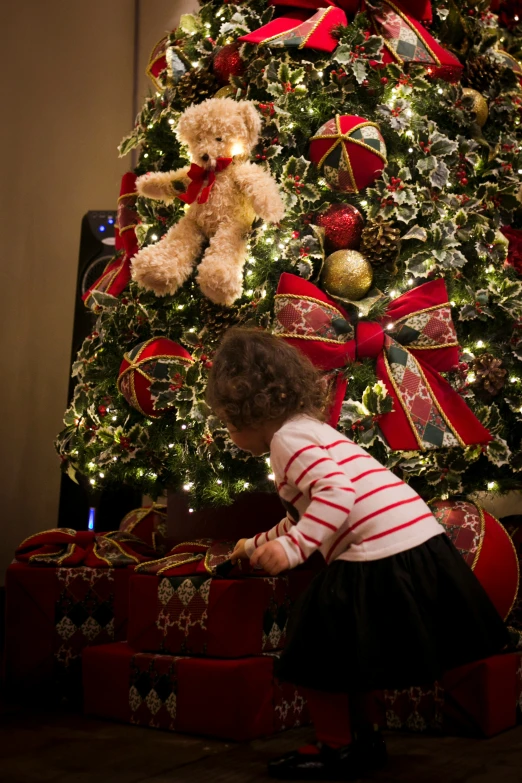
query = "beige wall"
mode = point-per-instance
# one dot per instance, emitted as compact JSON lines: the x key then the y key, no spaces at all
{"x":67,"y":99}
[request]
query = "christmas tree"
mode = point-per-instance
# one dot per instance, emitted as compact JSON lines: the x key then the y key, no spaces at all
{"x":394,"y":135}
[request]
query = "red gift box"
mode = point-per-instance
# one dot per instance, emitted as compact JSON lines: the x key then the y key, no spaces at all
{"x":52,"y":614}
{"x":227,"y":699}
{"x":221,"y":618}
{"x":478,"y":699}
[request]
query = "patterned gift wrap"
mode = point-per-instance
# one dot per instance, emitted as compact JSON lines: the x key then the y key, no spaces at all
{"x":221,"y":618}
{"x":52,"y":614}
{"x":479,"y":699}
{"x":227,"y":699}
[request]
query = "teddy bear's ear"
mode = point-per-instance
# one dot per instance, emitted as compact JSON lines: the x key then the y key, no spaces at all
{"x":252,"y":121}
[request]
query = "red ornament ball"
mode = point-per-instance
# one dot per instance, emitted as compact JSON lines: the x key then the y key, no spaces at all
{"x":227,"y":63}
{"x":342,"y":225}
{"x":349,"y":151}
{"x":485,"y":546}
{"x":158,"y":359}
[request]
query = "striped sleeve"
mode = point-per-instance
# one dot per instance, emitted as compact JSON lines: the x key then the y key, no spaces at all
{"x":307,"y":466}
{"x":275,"y":532}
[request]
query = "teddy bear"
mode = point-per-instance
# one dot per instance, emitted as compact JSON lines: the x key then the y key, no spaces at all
{"x":225,"y":193}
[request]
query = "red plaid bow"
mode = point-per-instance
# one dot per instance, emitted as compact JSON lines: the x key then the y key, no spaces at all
{"x":413,"y":342}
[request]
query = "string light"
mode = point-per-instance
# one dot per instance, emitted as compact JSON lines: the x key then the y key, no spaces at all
{"x":410,"y":281}
{"x":267,"y":460}
{"x":195,"y":64}
{"x":191,"y":510}
{"x":440,"y":90}
{"x":513,"y":379}
{"x":320,"y":74}
{"x":471,"y":377}
{"x":180,"y":307}
{"x":183,"y":426}
{"x":246,"y":485}
{"x":410,"y":149}
{"x":249,"y":292}
{"x":146,"y":155}
{"x":480,"y":343}
{"x":390,"y":326}
{"x":219,"y":481}
{"x":453,"y":304}
{"x":271,"y":476}
{"x":492,"y":484}
{"x":114,"y":418}
{"x":154,"y":237}
{"x":101,"y":475}
{"x":171,"y":445}
{"x":364,"y":203}
{"x":171,"y":121}
{"x":93,"y":482}
{"x":188,"y":486}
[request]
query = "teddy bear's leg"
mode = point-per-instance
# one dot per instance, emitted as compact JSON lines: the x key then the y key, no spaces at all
{"x":220,"y":273}
{"x":164,"y":267}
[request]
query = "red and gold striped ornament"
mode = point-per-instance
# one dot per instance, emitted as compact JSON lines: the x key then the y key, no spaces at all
{"x":350,"y":152}
{"x":486,"y":547}
{"x":159,"y":359}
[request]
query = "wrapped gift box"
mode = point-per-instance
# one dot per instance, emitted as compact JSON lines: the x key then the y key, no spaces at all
{"x":202,"y":615}
{"x":52,"y":614}
{"x":227,"y":699}
{"x":478,"y":699}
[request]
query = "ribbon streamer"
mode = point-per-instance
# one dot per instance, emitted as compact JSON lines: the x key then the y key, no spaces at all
{"x":117,"y":273}
{"x":412,"y":344}
{"x":65,"y":547}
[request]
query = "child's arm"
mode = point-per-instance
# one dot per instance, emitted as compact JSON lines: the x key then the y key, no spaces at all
{"x":318,"y":477}
{"x":251,"y":544}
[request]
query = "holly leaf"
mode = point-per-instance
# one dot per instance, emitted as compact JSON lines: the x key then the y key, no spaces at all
{"x":439,"y":177}
{"x":416,"y":232}
{"x":498,"y":452}
{"x":360,"y":70}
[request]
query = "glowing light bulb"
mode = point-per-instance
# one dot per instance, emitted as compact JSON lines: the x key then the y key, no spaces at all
{"x":101,"y":475}
{"x":480,"y":344}
{"x":171,"y":121}
{"x":267,"y":460}
{"x":453,"y":304}
{"x":271,"y":476}
{"x":188,"y":486}
{"x":191,"y":510}
{"x":237,"y":148}
{"x":492,"y":484}
{"x":219,"y":481}
{"x":410,"y":149}
{"x":171,"y":445}
{"x":154,"y":237}
{"x":410,"y":281}
{"x":146,"y":155}
{"x":180,"y":307}
{"x":183,"y":426}
{"x":114,"y":418}
{"x":440,"y":90}
{"x":92,"y":481}
{"x":364,"y":203}
{"x":513,"y":379}
{"x":246,"y":484}
{"x":471,"y":377}
{"x":320,"y":74}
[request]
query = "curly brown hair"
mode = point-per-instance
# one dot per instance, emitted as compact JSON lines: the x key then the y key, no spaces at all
{"x":256,"y":377}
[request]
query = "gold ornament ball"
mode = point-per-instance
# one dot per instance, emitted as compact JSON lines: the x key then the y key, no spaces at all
{"x":347,"y":274}
{"x":479,"y":105}
{"x":226,"y":92}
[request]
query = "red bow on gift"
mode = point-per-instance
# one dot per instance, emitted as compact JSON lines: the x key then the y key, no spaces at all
{"x":411,"y":344}
{"x":202,"y":181}
{"x":405,"y":39}
{"x":202,"y":556}
{"x":117,"y":273}
{"x":65,"y":547}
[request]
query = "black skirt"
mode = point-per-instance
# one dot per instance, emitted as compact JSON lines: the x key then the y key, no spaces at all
{"x":392,"y":623}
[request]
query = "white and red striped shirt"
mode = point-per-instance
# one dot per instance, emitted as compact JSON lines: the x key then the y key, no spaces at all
{"x":344,"y":503}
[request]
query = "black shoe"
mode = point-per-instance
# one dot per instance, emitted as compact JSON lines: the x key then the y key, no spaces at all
{"x":346,"y":763}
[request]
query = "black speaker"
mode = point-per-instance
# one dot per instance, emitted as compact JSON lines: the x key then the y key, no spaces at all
{"x":80,"y":508}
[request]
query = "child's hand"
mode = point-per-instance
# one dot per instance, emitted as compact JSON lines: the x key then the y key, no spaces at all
{"x":239,"y":551}
{"x":271,"y":557}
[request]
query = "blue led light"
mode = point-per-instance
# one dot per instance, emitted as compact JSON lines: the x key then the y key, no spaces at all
{"x":92,"y":515}
{"x":101,"y":228}
{"x":110,"y":221}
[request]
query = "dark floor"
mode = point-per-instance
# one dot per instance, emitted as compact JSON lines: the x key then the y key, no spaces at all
{"x":45,"y":747}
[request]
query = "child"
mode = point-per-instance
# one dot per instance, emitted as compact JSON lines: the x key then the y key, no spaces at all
{"x":396,"y":606}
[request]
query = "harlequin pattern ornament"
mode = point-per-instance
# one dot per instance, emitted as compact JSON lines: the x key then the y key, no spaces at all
{"x":479,"y":105}
{"x":227,"y":63}
{"x":158,"y":359}
{"x":486,"y":547}
{"x":342,"y":225}
{"x":349,"y":151}
{"x":347,"y":274}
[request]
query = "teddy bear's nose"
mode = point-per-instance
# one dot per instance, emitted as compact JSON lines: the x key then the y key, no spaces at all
{"x":205,"y":157}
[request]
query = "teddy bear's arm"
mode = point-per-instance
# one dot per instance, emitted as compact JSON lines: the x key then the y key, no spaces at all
{"x":163,"y":185}
{"x":262,"y":191}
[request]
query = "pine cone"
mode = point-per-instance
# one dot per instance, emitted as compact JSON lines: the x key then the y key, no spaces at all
{"x":195,"y":86}
{"x":490,"y":375}
{"x":218,"y":319}
{"x":380,"y":242}
{"x":480,"y":73}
